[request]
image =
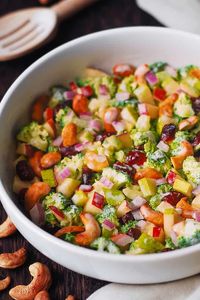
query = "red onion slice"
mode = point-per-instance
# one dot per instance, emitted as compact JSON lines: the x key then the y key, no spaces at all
{"x":122,"y":239}
{"x":151,"y":78}
{"x":138,"y":201}
{"x":122,"y":96}
{"x":106,"y":182}
{"x":137,"y":215}
{"x":160,"y":181}
{"x":68,"y":95}
{"x":37,"y":214}
{"x":103,"y":90}
{"x":58,"y":141}
{"x":96,"y":125}
{"x":85,"y":188}
{"x":108,"y":224}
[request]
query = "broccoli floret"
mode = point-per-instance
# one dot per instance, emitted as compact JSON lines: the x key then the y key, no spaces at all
{"x":74,"y":164}
{"x":161,"y":190}
{"x":169,"y":244}
{"x":64,"y":116}
{"x":158,"y":66}
{"x":119,"y":179}
{"x":190,"y":235}
{"x":72,"y":212}
{"x":183,"y":106}
{"x":180,"y":136}
{"x":103,"y":244}
{"x":159,"y":161}
{"x":191,"y":169}
{"x":35,"y":135}
{"x":140,"y":138}
{"x":52,"y":148}
{"x":145,"y":244}
{"x":122,"y":104}
{"x":183,"y":72}
{"x":149,"y":147}
{"x":189,"y":241}
{"x":109,"y":212}
{"x":57,"y":95}
{"x":105,"y":80}
{"x":130,"y":224}
{"x":55,"y":199}
{"x":69,"y":237}
{"x":127,"y":85}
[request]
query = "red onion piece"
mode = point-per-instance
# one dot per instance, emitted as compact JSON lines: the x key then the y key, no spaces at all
{"x":111,"y":115}
{"x":141,"y":71}
{"x":122,"y":96}
{"x":173,"y":236}
{"x":138,"y":201}
{"x":142,"y":109}
{"x":82,"y":146}
{"x":108,"y":224}
{"x":137,"y":215}
{"x":68,"y":95}
{"x":119,"y":125}
{"x":37,"y":214}
{"x":122,"y":239}
{"x":141,"y":224}
{"x":151,"y":78}
{"x":196,"y":191}
{"x":162,"y":146}
{"x":85,"y":188}
{"x":106,"y":182}
{"x":58,"y":141}
{"x":61,"y":175}
{"x":85,"y":116}
{"x":197,"y":216}
{"x":103,"y":90}
{"x":160,"y":181}
{"x":96,"y":125}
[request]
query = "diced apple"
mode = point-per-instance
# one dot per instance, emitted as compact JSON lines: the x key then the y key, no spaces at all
{"x":132,"y":191}
{"x":196,"y":202}
{"x":144,"y":94}
{"x":170,"y":86}
{"x":129,"y":114}
{"x":90,"y":208}
{"x":24,"y":149}
{"x":147,"y":186}
{"x":183,"y":187}
{"x":163,"y":206}
{"x":148,"y":109}
{"x":79,"y":198}
{"x":179,"y":228}
{"x":143,"y":122}
{"x":68,"y":186}
{"x":125,"y":139}
{"x":123,"y":208}
{"x":150,"y":228}
{"x":171,"y":217}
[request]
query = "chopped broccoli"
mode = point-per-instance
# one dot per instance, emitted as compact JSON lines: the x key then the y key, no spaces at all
{"x":189,"y":241}
{"x":119,"y":179}
{"x":180,"y":136}
{"x":72,"y":212}
{"x":109,"y":213}
{"x":121,"y":104}
{"x":104,"y":80}
{"x":161,"y":190}
{"x":164,"y":188}
{"x":140,"y":138}
{"x":130,"y":224}
{"x":64,"y":116}
{"x":149,"y":147}
{"x":103,"y":244}
{"x":69,"y":237}
{"x":191,"y":169}
{"x":191,"y":234}
{"x":183,"y":106}
{"x":52,"y":148}
{"x":158,"y":66}
{"x":159,"y":161}
{"x":155,"y":200}
{"x":35,"y":135}
{"x":127,"y":85}
{"x":169,"y":244}
{"x":55,"y":199}
{"x":74,"y":164}
{"x":57,"y":95}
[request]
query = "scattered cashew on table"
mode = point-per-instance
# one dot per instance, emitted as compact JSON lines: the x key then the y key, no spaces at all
{"x":7,"y":228}
{"x":13,"y":260}
{"x":4,"y":283}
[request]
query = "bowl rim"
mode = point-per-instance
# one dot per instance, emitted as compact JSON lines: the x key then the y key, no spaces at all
{"x":24,"y":220}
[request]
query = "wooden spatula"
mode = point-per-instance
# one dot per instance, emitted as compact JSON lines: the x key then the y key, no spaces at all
{"x":24,"y":30}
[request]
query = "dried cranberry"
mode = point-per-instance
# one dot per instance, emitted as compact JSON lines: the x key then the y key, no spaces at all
{"x":67,"y":151}
{"x":24,"y":171}
{"x":134,"y":233}
{"x":196,"y":140}
{"x":196,"y":105}
{"x":136,"y":157}
{"x":86,"y":176}
{"x":172,"y":197}
{"x":123,"y":167}
{"x":101,"y":137}
{"x":168,"y":133}
{"x":127,"y":217}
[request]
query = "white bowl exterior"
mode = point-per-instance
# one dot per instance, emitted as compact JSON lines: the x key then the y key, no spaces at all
{"x":132,"y":45}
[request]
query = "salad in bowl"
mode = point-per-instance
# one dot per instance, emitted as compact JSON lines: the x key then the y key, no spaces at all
{"x":111,"y":161}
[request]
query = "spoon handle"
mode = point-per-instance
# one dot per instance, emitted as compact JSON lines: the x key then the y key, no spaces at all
{"x":67,"y":8}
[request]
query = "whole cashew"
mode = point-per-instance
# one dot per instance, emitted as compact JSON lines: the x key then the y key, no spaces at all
{"x":41,"y":281}
{"x":4,"y":283}
{"x":7,"y":228}
{"x":43,"y":295}
{"x":70,"y":297}
{"x":13,"y":260}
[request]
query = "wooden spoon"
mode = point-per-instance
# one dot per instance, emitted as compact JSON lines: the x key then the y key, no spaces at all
{"x":24,"y":30}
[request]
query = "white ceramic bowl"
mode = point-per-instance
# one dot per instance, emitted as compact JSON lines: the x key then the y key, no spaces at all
{"x":104,"y":49}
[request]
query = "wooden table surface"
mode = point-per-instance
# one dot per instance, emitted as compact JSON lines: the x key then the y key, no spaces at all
{"x":102,"y":15}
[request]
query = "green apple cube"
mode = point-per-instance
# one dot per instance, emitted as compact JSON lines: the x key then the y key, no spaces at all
{"x":147,"y":186}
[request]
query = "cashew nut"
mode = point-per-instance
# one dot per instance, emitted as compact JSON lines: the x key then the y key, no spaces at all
{"x":70,"y":297}
{"x":92,"y":230}
{"x":4,"y":283}
{"x":7,"y":228}
{"x":151,"y":215}
{"x":13,"y":260}
{"x":41,"y":281}
{"x":43,"y":295}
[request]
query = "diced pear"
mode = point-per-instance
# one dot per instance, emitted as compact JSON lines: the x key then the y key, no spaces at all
{"x":129,"y":114}
{"x":163,"y":206}
{"x":144,"y":94}
{"x":147,"y":186}
{"x":90,"y":208}
{"x":149,"y":227}
{"x":183,"y":187}
{"x":169,"y":220}
{"x":188,"y":89}
{"x":79,"y":198}
{"x":123,"y":208}
{"x":125,"y":139}
{"x":93,"y":73}
{"x":68,"y":186}
{"x":179,"y":228}
{"x":196,"y":202}
{"x":170,"y":86}
{"x":132,"y":191}
{"x":143,"y":122}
